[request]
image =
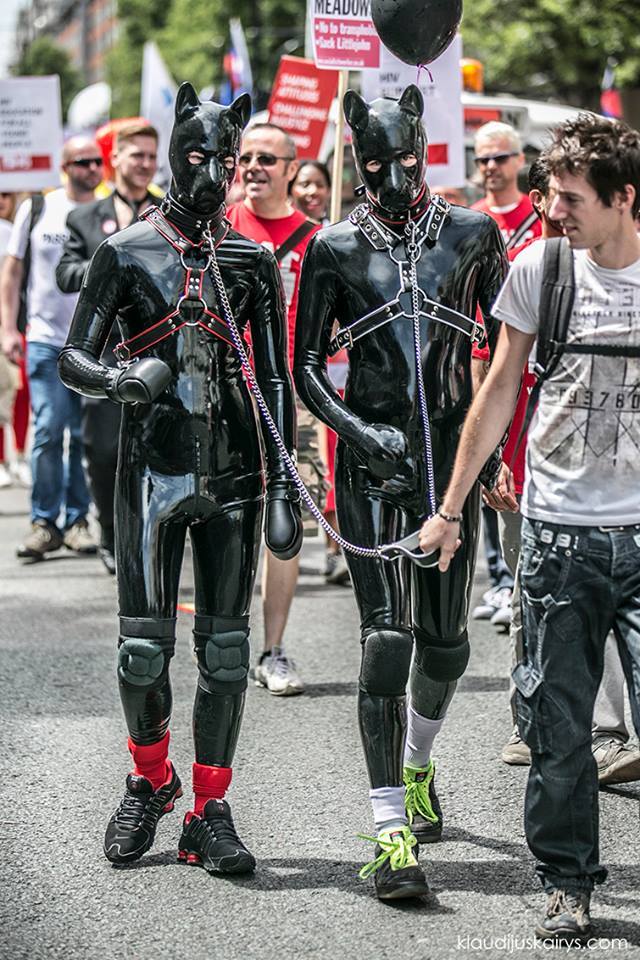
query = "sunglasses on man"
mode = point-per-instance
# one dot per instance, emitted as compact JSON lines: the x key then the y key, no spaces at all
{"x":262,"y":159}
{"x":87,"y":162}
{"x":497,"y":157}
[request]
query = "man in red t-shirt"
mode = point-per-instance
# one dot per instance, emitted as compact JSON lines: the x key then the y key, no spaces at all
{"x":499,"y":157}
{"x":267,"y":166}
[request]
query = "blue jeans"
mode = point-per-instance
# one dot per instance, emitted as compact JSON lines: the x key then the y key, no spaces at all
{"x":577,"y":584}
{"x":55,"y":407}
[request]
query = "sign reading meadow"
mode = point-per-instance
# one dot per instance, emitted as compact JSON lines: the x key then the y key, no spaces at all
{"x":344,"y":37}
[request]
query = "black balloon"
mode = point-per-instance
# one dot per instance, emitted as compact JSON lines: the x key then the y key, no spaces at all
{"x":416,"y":31}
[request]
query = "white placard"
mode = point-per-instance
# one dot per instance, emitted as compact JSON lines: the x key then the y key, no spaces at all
{"x":343,"y":35}
{"x":30,"y":133}
{"x":443,"y":114}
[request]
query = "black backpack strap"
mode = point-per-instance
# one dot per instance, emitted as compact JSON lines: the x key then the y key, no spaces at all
{"x":557,"y":293}
{"x":37,"y":206}
{"x":294,"y":239}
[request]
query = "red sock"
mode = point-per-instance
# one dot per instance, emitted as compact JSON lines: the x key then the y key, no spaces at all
{"x":151,"y":761}
{"x":209,"y":783}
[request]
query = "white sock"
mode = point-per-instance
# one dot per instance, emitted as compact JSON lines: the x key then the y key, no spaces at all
{"x":421,"y":732}
{"x":388,"y":807}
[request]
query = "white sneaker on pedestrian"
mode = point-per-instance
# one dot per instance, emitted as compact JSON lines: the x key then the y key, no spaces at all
{"x":21,"y":472}
{"x":502,"y":615}
{"x":278,"y":674}
{"x":5,"y":476}
{"x":492,"y":600}
{"x":336,"y":571}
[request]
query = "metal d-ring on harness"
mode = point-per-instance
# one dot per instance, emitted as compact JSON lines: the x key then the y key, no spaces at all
{"x":407,"y":547}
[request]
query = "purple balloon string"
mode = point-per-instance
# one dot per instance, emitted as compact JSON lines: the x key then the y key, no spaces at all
{"x":421,"y":67}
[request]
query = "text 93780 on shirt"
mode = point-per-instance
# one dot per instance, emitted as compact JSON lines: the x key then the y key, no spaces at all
{"x":49,"y":312}
{"x":583,"y":448}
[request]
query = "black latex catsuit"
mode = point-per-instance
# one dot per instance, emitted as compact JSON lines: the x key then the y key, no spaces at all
{"x":191,"y":459}
{"x":379,"y":425}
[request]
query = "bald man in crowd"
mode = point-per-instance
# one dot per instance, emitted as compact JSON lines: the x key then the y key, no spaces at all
{"x":59,"y":496}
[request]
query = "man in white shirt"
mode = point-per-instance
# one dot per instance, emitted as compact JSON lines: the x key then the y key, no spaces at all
{"x":49,"y":313}
{"x":580,"y":559}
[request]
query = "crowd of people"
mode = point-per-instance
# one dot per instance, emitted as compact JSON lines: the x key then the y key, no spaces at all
{"x":562,"y":555}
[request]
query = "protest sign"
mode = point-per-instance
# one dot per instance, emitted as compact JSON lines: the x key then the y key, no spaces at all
{"x":300,"y":102}
{"x":343,"y":34}
{"x":30,"y":133}
{"x":441,"y":86}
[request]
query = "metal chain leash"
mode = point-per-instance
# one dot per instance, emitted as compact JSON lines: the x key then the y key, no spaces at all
{"x":371,"y":552}
{"x":413,"y":253}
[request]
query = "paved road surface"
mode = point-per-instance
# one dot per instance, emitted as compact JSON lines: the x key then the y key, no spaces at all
{"x":299,"y":799}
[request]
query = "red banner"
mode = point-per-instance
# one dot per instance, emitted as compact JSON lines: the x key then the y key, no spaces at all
{"x":300,"y":102}
{"x":21,"y":163}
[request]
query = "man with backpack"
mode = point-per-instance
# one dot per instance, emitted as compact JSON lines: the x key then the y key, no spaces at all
{"x":580,"y":559}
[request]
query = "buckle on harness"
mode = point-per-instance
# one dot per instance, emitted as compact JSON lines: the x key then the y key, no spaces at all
{"x":344,"y":338}
{"x":408,"y":548}
{"x":122,"y":353}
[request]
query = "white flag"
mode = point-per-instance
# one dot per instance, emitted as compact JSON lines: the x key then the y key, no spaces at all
{"x":241,"y":76}
{"x":157,"y":97}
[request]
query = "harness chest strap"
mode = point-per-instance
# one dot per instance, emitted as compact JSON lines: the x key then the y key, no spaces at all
{"x":382,"y":239}
{"x":191,"y":309}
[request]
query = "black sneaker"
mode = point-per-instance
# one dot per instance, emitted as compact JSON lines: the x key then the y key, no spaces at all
{"x":132,"y":828}
{"x":422,"y":804}
{"x":211,"y":841}
{"x":398,"y":874}
{"x":566,"y":918}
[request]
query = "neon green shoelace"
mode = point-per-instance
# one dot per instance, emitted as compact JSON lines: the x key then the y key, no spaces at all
{"x":396,"y":848}
{"x":417,"y":793}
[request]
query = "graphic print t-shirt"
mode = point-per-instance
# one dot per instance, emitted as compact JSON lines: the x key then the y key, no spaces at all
{"x":584,"y":441}
{"x":49,"y":312}
{"x":272,"y":234}
{"x":509,"y":218}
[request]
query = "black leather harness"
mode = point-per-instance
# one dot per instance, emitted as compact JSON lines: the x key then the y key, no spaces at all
{"x":191,"y":309}
{"x":427,"y":230}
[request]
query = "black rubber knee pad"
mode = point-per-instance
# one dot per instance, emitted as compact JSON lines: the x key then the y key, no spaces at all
{"x":442,"y":659}
{"x":145,"y":647}
{"x":386,"y":659}
{"x":222,"y":650}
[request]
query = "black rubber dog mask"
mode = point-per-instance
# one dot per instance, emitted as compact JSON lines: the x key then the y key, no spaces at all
{"x":203,"y":153}
{"x":390,"y":147}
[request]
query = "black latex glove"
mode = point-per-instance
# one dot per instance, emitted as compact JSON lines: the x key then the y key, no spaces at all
{"x":488,"y":476}
{"x":283,"y":521}
{"x":142,"y":382}
{"x":383,"y":448}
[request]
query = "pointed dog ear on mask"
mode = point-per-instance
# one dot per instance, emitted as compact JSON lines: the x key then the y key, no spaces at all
{"x":187,"y":101}
{"x":412,"y":100}
{"x":242,"y":107}
{"x":356,"y":110}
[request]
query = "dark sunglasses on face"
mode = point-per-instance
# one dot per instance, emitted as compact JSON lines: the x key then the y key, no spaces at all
{"x":262,"y":159}
{"x":498,"y":157}
{"x":87,"y":161}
